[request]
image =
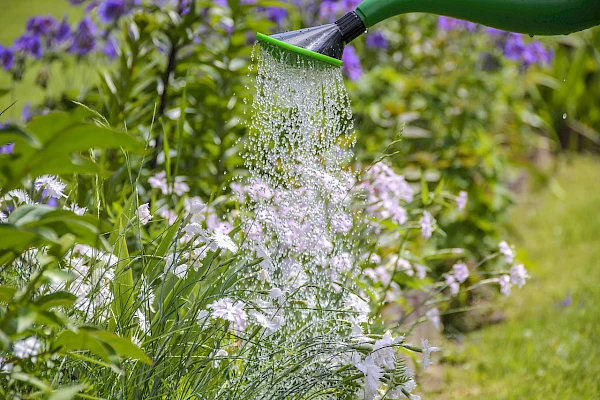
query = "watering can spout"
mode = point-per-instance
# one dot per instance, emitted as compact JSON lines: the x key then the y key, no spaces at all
{"x":324,"y":42}
{"x":534,"y":17}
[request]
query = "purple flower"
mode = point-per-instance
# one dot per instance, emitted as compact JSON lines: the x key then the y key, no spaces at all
{"x":7,"y":149}
{"x":63,"y":32}
{"x":349,"y":5}
{"x":329,"y":10}
{"x":185,"y":7}
{"x":447,"y":23}
{"x":42,"y":25}
{"x":112,"y":10}
{"x":110,"y":49}
{"x":7,"y":58}
{"x":26,"y":112}
{"x":514,"y":47}
{"x":536,"y":53}
{"x":276,"y":14}
{"x":29,"y":44}
{"x":376,"y":40}
{"x":84,"y":40}
{"x":494,"y":31}
{"x":352,"y":66}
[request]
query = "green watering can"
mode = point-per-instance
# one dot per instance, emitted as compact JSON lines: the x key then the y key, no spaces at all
{"x":533,"y":17}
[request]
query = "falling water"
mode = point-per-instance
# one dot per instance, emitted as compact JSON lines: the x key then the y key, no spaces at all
{"x":298,"y":154}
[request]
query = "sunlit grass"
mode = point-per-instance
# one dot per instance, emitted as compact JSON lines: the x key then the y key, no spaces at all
{"x":550,"y":344}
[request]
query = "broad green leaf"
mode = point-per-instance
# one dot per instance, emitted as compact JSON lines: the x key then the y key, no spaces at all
{"x":81,"y":340}
{"x":56,"y":299}
{"x":14,"y":238}
{"x":124,"y":347}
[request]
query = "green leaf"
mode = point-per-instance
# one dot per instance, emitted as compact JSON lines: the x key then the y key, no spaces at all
{"x":51,"y":143}
{"x":81,"y":340}
{"x":7,"y":293}
{"x":438,"y":189}
{"x":424,"y":190}
{"x":56,"y":299}
{"x":14,"y":238}
{"x":66,"y":393}
{"x":124,"y":347}
{"x":31,"y":380}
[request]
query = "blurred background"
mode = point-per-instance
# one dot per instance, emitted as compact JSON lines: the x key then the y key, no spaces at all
{"x":513,"y":121}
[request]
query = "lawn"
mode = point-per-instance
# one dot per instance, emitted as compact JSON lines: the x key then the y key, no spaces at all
{"x":550,"y":344}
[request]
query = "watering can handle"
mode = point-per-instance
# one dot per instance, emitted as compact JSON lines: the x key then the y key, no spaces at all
{"x":535,"y":17}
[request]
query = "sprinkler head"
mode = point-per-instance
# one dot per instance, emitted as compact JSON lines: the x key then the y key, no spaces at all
{"x":325,"y":42}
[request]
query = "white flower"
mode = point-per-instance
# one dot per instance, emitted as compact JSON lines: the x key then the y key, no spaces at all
{"x":461,"y":272}
{"x":421,"y":271}
{"x":408,"y":387}
{"x":263,"y":275}
{"x":452,"y":284}
{"x":52,"y":185}
{"x":27,"y":348}
{"x":230,"y":310}
{"x":195,"y":206}
{"x":266,"y":263}
{"x":145,"y":324}
{"x":171,"y":261}
{"x":434,"y":317}
{"x":222,"y":241}
{"x":159,"y":181}
{"x":169,"y":215}
{"x":373,"y":373}
{"x":504,"y":282}
{"x":358,"y":305}
{"x":217,"y":357}
{"x":374,"y":258}
{"x":270,"y":324}
{"x":383,"y":352}
{"x":427,"y":225}
{"x":192,"y":230}
{"x":342,"y":262}
{"x":357,"y":330}
{"x":5,"y":367}
{"x":202,"y":316}
{"x":76,"y":209}
{"x":461,"y":200}
{"x":341,"y":222}
{"x":507,"y":251}
{"x":427,"y":353}
{"x":518,"y":274}
{"x":143,"y":213}
{"x":20,"y":195}
{"x":275,"y":293}
{"x":394,"y":293}
{"x":146,"y":295}
{"x":3,"y":218}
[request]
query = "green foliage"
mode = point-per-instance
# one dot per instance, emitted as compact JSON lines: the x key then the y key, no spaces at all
{"x":536,"y":354}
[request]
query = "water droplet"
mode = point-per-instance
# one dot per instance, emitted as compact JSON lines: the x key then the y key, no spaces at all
{"x":565,"y":116}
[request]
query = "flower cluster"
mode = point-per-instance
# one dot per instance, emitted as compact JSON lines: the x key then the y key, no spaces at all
{"x":518,"y":274}
{"x":386,"y":193}
{"x":512,"y":45}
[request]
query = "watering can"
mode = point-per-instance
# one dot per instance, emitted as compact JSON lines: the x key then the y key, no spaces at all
{"x":533,"y":17}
